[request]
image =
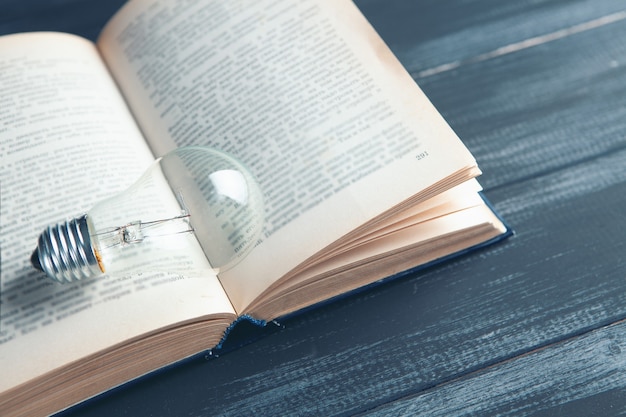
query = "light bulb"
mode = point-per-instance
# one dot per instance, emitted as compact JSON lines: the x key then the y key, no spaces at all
{"x":190,"y":196}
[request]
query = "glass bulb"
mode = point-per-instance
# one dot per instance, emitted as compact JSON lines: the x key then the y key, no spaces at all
{"x":190,"y":196}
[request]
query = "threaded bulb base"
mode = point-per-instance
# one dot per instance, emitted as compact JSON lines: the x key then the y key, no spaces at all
{"x":64,"y":252}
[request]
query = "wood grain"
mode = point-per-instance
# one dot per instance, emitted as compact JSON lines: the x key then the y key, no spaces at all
{"x":579,"y":376}
{"x":530,"y":326}
{"x":428,"y":33}
{"x":540,"y":109}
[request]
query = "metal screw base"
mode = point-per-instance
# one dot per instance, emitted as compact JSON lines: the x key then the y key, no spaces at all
{"x":64,"y":252}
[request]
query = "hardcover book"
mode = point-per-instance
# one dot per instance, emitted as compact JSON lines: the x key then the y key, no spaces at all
{"x":362,"y":179}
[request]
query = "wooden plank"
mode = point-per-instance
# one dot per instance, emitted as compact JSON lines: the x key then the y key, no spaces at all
{"x":582,"y":376}
{"x":539,"y":109}
{"x":428,"y":33}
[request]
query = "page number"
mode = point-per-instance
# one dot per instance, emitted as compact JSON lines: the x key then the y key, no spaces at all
{"x":421,"y":155}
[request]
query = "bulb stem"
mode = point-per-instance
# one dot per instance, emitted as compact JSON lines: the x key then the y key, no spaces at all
{"x":65,"y":252}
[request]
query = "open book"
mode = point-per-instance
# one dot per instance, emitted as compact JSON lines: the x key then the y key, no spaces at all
{"x":362,"y":178}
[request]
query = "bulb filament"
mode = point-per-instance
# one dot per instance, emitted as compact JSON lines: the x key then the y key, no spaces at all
{"x":137,"y":231}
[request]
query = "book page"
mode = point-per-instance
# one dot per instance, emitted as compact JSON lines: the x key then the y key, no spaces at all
{"x":305,"y":94}
{"x":68,"y":141}
{"x":355,"y":268}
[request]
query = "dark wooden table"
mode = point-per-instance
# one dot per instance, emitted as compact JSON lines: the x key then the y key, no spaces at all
{"x":532,"y":326}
